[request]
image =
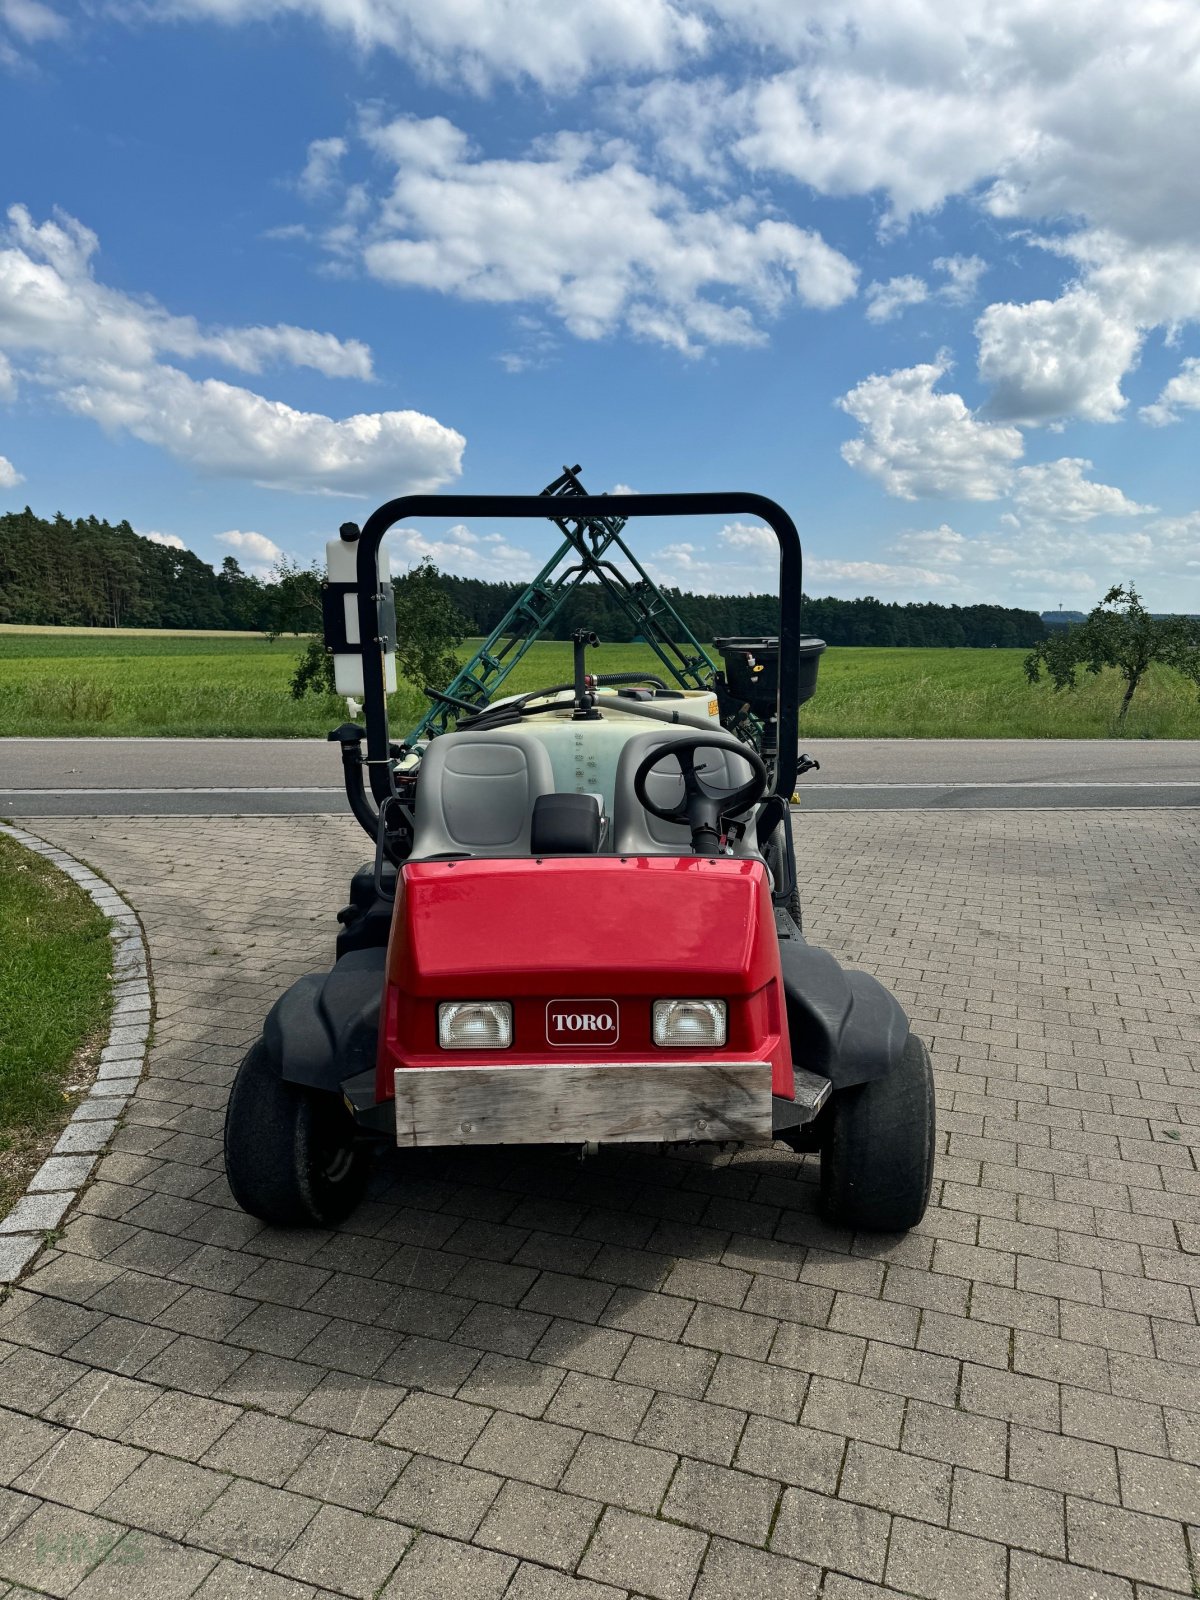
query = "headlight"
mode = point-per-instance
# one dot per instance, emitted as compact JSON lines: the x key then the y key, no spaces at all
{"x":689,"y":1022}
{"x":475,"y":1025}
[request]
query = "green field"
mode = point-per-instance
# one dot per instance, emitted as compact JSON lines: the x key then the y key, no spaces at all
{"x":56,"y":681}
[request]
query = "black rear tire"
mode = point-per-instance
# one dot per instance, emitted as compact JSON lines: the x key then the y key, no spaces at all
{"x":878,"y":1147}
{"x":292,"y":1155}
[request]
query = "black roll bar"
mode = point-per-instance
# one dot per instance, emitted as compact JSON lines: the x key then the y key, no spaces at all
{"x":582,"y":507}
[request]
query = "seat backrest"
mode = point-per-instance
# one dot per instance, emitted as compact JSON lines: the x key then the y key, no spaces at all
{"x":476,"y":791}
{"x":635,"y":831}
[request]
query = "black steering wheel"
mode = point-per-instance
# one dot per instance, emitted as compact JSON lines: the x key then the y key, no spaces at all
{"x":701,"y":809}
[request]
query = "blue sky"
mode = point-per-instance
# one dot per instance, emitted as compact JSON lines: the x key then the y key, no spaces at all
{"x":927,"y":273}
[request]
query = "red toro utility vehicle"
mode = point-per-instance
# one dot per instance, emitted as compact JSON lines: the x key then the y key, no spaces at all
{"x":581,"y":925}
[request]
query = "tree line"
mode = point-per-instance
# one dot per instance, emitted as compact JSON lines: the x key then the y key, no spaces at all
{"x":93,"y":573}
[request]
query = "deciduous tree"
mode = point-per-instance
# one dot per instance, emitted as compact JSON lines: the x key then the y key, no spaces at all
{"x":1119,"y":633}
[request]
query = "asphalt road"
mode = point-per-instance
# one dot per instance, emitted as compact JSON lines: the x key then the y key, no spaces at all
{"x":107,"y":777}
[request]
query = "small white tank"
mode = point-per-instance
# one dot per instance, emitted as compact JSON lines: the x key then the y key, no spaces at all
{"x":341,"y":566}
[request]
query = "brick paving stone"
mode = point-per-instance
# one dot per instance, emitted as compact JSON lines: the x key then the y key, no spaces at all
{"x":53,"y":1549}
{"x":519,"y":1447}
{"x":233,"y":1580}
{"x":722,"y":1500}
{"x":1109,"y":1419}
{"x":620,"y":1474}
{"x":891,"y":1481}
{"x":539,"y":1525}
{"x":733,"y":1569}
{"x":1129,"y":1543}
{"x":656,"y":1316}
{"x":509,"y":1384}
{"x":79,"y":1470}
{"x":346,"y":1551}
{"x":349,"y":1472}
{"x":1015,"y":1514}
{"x":436,"y":1568}
{"x":261,"y":1446}
{"x":254,"y":1523}
{"x":165,"y":1496}
{"x":819,"y":1351}
{"x":939,"y":1564}
{"x":737,"y":1333}
{"x":432,"y":1425}
{"x":859,"y":1413}
{"x":180,"y":1424}
{"x":596,"y":1351}
{"x":1163,"y":1488}
{"x":675,"y":1368}
{"x":144,"y":1567}
{"x":598,"y":1405}
{"x":272,"y":1382}
{"x":653,"y":1558}
{"x":911,"y":1372}
{"x":540,"y":1583}
{"x":804,"y":1457}
{"x":1034,"y":1578}
{"x":1009,"y":1396}
{"x":755,"y":1386}
{"x":831,"y":1533}
{"x":441,"y":1497}
{"x":354,"y":1405}
{"x":1073,"y":1466}
{"x":23,"y":1440}
{"x":692,"y":1428}
{"x":101,"y":1402}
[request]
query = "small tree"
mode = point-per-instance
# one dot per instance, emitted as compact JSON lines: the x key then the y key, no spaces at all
{"x":429,"y":628}
{"x":1119,"y":633}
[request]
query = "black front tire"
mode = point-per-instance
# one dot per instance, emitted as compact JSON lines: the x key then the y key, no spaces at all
{"x":292,"y":1155}
{"x":877,"y":1150}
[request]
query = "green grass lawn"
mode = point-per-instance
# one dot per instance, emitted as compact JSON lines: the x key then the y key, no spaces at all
{"x":89,"y":683}
{"x":55,"y":958}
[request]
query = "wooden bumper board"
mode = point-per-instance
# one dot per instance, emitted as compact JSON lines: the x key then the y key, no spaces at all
{"x":579,"y":1103}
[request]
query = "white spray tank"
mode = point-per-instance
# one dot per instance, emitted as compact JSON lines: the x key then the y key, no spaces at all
{"x":340,"y":609}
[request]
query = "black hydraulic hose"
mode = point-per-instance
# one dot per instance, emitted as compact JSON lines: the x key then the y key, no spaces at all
{"x":365,"y":814}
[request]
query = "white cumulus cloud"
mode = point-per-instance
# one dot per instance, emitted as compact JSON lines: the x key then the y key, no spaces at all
{"x":941,"y":545}
{"x":461,"y":551}
{"x":227,"y":431}
{"x":554,"y":43}
{"x":861,"y":576}
{"x":101,"y":354}
{"x":1181,"y":393}
{"x":962,"y":277}
{"x":1054,"y":358}
{"x":255,"y":551}
{"x":9,"y":476}
{"x":921,"y":444}
{"x":171,"y":541}
{"x":888,"y":300}
{"x":321,"y":168}
{"x":1057,"y":491}
{"x":51,"y":303}
{"x":540,"y":231}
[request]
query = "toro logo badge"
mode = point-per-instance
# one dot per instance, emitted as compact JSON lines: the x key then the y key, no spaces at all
{"x":583,"y":1024}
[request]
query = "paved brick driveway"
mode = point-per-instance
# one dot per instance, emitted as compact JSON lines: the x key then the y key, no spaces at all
{"x":650,"y":1375}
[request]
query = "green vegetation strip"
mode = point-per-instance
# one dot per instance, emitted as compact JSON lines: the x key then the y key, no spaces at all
{"x":55,"y":960}
{"x":193,"y":685}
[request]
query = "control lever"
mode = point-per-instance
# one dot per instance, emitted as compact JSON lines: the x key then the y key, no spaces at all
{"x":807,"y":764}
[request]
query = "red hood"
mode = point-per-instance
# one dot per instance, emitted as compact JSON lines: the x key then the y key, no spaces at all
{"x":631,"y":929}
